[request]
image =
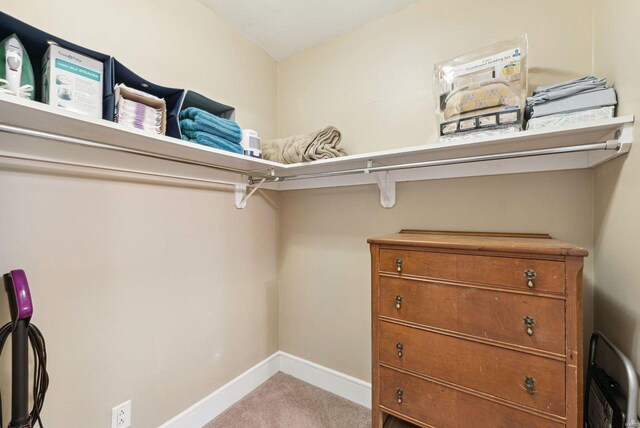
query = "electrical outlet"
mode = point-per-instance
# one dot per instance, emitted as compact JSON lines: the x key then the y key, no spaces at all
{"x":121,"y":415}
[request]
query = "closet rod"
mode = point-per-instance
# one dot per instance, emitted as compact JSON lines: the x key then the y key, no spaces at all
{"x":82,"y":142}
{"x":118,"y":170}
{"x":255,"y":177}
{"x":607,"y":145}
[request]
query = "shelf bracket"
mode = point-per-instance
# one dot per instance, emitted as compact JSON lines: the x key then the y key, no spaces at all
{"x":619,"y":145}
{"x":624,"y":137}
{"x":241,"y":194}
{"x":369,"y":165}
{"x":387,"y":187}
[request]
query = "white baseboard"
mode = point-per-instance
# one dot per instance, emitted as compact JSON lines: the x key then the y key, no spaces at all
{"x":225,"y":396}
{"x":343,"y":385}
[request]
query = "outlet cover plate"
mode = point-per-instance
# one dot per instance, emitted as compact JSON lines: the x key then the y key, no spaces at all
{"x":121,"y":415}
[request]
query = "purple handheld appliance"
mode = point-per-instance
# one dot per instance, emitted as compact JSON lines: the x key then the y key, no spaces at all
{"x":22,"y":333}
{"x":19,"y":296}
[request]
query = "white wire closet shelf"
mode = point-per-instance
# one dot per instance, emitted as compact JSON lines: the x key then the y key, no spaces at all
{"x":33,"y":132}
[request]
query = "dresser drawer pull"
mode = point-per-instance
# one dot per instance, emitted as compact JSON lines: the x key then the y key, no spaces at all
{"x":399,"y":393}
{"x":398,"y":301}
{"x":399,"y":347}
{"x":530,"y":274}
{"x":530,"y":384}
{"x":529,"y":322}
{"x":399,"y":262}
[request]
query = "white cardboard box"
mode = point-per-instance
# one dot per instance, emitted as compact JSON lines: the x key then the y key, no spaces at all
{"x":72,"y":81}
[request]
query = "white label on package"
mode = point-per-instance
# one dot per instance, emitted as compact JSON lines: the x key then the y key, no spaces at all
{"x":468,"y":124}
{"x":488,"y":120}
{"x":449,"y":72}
{"x":508,"y":117}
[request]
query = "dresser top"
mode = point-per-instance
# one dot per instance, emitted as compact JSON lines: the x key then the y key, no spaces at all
{"x":528,"y":243}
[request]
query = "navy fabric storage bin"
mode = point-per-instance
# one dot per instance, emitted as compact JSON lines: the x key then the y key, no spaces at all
{"x":194,"y":99}
{"x":172,"y":96}
{"x":35,"y":43}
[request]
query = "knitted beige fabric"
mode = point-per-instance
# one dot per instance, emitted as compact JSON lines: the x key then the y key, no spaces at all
{"x":322,"y":144}
{"x":286,"y":150}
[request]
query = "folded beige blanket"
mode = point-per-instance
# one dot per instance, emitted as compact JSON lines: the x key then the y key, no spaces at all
{"x":321,"y":144}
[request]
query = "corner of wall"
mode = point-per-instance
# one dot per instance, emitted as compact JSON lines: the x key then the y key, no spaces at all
{"x":278,"y":65}
{"x":593,"y":36}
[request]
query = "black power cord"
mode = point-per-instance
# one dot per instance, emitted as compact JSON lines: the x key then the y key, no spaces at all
{"x":40,"y":375}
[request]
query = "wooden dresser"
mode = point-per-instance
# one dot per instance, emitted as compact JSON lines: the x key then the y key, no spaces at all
{"x":477,"y":330}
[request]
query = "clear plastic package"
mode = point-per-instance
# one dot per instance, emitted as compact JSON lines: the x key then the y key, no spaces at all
{"x":483,"y":89}
{"x":480,"y":133}
{"x":571,"y":118}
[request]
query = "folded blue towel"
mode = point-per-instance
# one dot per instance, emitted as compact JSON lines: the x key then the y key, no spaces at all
{"x":194,"y":119}
{"x":213,"y":141}
{"x":194,"y":113}
{"x":208,"y":118}
{"x":189,"y":126}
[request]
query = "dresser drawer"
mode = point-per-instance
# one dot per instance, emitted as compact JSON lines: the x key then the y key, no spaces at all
{"x":429,"y":402}
{"x":478,"y":312}
{"x":481,"y":367}
{"x":544,"y":275}
{"x":443,"y":407}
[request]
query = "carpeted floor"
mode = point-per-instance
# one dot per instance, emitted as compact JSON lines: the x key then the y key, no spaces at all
{"x":286,"y":402}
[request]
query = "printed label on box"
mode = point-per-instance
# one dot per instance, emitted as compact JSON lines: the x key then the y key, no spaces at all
{"x":72,"y":81}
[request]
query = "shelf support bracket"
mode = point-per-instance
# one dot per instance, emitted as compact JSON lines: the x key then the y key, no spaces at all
{"x":387,"y":187}
{"x":624,"y":137}
{"x":369,"y":165}
{"x":241,"y":194}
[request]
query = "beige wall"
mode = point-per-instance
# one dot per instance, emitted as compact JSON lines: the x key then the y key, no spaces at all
{"x":128,"y":240}
{"x":375,"y":85}
{"x":324,"y":257}
{"x":142,"y":290}
{"x":617,"y":183}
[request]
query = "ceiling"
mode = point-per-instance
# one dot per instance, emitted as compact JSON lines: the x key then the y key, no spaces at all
{"x":284,"y":27}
